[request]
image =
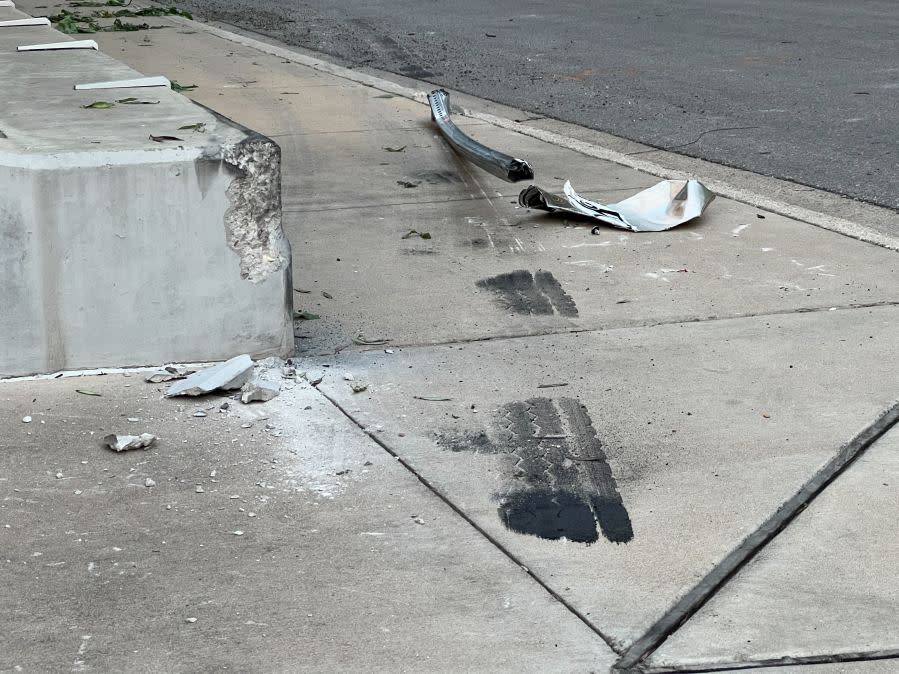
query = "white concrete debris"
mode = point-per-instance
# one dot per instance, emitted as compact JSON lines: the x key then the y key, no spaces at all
{"x":26,"y":420}
{"x":168,"y":373}
{"x":314,"y":377}
{"x":262,"y":387}
{"x":120,"y":443}
{"x":149,"y":482}
{"x":227,"y":376}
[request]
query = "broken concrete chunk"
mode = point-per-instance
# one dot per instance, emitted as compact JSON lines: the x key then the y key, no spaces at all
{"x":314,"y":377}
{"x":260,"y":388}
{"x":272,"y":362}
{"x":120,"y":443}
{"x":227,"y":376}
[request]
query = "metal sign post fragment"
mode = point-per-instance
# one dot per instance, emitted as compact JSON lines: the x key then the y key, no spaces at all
{"x":501,"y":165}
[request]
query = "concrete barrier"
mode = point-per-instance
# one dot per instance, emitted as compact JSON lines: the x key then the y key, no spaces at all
{"x":119,"y":250}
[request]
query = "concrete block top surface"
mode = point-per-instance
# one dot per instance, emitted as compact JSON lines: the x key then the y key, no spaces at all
{"x":44,"y":119}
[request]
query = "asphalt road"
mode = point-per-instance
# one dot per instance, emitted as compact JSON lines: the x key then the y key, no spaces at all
{"x":806,"y":90}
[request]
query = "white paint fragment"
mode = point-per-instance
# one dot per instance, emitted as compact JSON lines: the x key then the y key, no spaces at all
{"x":157,"y":81}
{"x":736,"y":230}
{"x":35,"y":21}
{"x":58,"y":46}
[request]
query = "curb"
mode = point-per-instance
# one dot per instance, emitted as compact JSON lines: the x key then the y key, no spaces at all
{"x":724,"y":189}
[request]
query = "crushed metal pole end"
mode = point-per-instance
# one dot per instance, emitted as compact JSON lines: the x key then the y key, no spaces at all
{"x":501,"y":165}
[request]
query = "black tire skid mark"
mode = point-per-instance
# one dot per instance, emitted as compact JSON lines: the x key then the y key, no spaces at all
{"x":516,"y":292}
{"x":525,"y":293}
{"x":596,"y":480}
{"x":551,"y":288}
{"x":561,"y":485}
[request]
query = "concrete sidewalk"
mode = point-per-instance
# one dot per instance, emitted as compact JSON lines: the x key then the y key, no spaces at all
{"x":552,"y":485}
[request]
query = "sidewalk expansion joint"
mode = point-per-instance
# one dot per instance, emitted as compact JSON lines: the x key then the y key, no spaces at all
{"x":634,"y":325}
{"x":387,"y":205}
{"x":693,"y":600}
{"x":499,"y":546}
{"x":774,"y":664}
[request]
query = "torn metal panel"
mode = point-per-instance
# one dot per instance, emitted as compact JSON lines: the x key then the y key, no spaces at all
{"x":501,"y":165}
{"x":663,"y":206}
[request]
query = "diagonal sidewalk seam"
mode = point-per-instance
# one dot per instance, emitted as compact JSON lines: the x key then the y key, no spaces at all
{"x":637,"y":324}
{"x":693,"y":600}
{"x":778,"y":664}
{"x":474,"y":525}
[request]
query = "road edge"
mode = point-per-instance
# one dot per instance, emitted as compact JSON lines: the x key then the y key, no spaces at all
{"x":723,"y":188}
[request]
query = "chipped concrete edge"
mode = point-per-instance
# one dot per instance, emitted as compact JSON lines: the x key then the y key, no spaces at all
{"x":253,"y":222}
{"x":725,"y":189}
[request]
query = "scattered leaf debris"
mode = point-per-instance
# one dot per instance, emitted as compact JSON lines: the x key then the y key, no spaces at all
{"x":413,"y":232}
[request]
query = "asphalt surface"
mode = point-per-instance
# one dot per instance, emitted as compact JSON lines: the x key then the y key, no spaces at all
{"x":805,"y":91}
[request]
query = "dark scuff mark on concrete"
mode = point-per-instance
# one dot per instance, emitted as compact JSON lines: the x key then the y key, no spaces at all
{"x":560,"y":483}
{"x":418,"y":251}
{"x":439,"y":177}
{"x":525,"y":293}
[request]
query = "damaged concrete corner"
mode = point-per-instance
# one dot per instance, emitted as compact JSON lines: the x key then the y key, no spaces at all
{"x":253,"y":221}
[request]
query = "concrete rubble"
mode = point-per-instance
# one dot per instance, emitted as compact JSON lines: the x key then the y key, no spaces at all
{"x":227,"y":376}
{"x":121,"y":443}
{"x":262,"y":386}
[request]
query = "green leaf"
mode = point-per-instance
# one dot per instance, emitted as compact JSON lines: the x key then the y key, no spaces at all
{"x":87,"y":393}
{"x":413,"y":232}
{"x":199,"y":127}
{"x":396,"y":149}
{"x":182,"y":87}
{"x":99,"y":105}
{"x":124,"y":26}
{"x":305,"y":316}
{"x":135,"y":101}
{"x":362,"y":340}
